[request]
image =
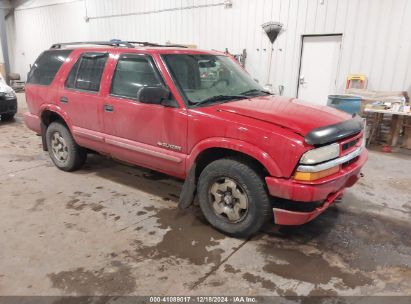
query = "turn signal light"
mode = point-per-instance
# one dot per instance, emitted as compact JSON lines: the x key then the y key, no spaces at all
{"x":311,"y":176}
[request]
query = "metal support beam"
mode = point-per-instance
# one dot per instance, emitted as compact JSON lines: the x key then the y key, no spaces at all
{"x":225,"y":4}
{"x":3,"y":40}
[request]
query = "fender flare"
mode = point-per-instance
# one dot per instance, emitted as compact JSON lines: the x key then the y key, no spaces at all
{"x":58,"y":110}
{"x":236,"y":145}
{"x":52,"y":108}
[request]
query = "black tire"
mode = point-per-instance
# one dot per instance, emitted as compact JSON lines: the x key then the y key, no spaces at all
{"x":7,"y":117}
{"x":248,"y":183}
{"x":75,"y":156}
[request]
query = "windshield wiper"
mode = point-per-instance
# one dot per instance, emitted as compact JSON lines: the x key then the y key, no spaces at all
{"x":220,"y":98}
{"x":255,"y":91}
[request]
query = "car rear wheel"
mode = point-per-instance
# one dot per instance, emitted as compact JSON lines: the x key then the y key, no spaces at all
{"x":63,"y":150}
{"x":233,"y":198}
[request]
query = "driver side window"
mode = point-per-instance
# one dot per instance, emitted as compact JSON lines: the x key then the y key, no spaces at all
{"x":132,"y":73}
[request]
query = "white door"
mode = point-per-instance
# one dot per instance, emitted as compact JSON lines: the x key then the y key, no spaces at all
{"x":319,"y":67}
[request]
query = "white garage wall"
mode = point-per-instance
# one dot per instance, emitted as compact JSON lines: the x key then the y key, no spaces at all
{"x":376,"y":33}
{"x":38,"y":24}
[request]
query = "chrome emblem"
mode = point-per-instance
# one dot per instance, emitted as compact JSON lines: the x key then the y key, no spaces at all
{"x":169,"y":146}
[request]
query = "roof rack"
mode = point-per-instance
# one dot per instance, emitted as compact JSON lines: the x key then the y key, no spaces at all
{"x":114,"y":42}
{"x":156,"y":44}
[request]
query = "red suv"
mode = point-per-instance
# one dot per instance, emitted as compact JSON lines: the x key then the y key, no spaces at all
{"x":196,"y":115}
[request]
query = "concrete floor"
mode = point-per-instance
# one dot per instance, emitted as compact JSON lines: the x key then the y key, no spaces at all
{"x":112,"y":229}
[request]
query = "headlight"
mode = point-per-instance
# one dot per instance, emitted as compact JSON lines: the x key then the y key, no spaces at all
{"x":10,"y":95}
{"x":320,"y":155}
{"x":317,"y":156}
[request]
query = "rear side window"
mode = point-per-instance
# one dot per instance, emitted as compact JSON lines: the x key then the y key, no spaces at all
{"x":132,"y":73}
{"x":71,"y":79}
{"x":46,"y":67}
{"x":87,"y":71}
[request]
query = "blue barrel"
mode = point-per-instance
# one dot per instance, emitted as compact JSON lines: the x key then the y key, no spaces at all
{"x":349,"y":104}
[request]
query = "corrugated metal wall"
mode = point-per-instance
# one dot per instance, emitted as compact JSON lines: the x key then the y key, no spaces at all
{"x":376,"y":33}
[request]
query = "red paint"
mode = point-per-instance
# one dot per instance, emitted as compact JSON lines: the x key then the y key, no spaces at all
{"x":32,"y":122}
{"x":386,"y":149}
{"x":268,"y":129}
{"x":299,"y":116}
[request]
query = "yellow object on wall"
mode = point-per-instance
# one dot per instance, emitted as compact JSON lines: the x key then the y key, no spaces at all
{"x":356,"y":81}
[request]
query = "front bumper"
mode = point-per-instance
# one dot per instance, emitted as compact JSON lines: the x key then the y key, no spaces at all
{"x":287,"y":217}
{"x":327,"y":189}
{"x":8,"y":106}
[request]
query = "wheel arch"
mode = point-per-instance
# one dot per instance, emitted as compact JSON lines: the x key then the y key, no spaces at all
{"x":215,"y":148}
{"x":49,"y":114}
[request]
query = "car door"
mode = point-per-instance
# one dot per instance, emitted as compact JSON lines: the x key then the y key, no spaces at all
{"x":82,"y":100}
{"x":151,"y":135}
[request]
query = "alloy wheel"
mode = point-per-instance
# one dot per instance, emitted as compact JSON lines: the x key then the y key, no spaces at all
{"x":228,"y":200}
{"x":59,"y":147}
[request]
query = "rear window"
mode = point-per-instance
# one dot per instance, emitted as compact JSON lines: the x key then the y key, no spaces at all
{"x":46,"y":67}
{"x":87,"y":71}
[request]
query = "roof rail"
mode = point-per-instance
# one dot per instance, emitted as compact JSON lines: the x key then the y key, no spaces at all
{"x":115,"y":42}
{"x":156,"y":44}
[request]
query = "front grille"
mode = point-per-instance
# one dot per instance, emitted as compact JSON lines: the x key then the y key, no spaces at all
{"x":349,"y":144}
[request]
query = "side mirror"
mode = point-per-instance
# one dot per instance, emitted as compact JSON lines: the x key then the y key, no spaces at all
{"x":169,"y":103}
{"x":153,"y":95}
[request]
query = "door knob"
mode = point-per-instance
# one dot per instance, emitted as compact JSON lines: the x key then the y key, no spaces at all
{"x":64,"y":99}
{"x":302,"y":79}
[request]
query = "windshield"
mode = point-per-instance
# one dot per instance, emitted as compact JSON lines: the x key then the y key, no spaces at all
{"x":211,"y":79}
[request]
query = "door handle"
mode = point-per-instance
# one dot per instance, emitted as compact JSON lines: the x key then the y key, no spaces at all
{"x":108,"y":108}
{"x":302,"y":80}
{"x":64,"y":99}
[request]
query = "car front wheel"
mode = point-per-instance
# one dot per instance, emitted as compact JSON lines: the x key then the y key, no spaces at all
{"x":63,"y":150}
{"x":233,"y":198}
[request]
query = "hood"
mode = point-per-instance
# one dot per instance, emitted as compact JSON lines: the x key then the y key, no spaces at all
{"x":299,"y":116}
